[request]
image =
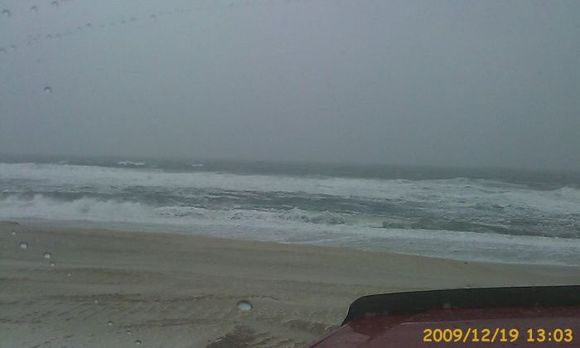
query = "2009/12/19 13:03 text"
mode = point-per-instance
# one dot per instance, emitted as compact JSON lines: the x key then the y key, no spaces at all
{"x":498,"y":335}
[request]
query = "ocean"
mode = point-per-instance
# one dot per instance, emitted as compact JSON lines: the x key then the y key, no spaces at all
{"x":466,"y":214}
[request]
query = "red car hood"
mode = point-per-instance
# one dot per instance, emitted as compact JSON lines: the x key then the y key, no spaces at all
{"x":537,"y":316}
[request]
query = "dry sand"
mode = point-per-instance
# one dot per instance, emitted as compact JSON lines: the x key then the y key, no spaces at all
{"x":110,"y":289}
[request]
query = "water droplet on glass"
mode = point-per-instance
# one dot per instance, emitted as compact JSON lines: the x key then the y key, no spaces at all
{"x":446,"y":305}
{"x":47,"y":89}
{"x":245,"y":306}
{"x":13,"y":233}
{"x":52,"y":264}
{"x":138,"y":342}
{"x":47,"y":255}
{"x":95,"y":301}
{"x":109,"y":323}
{"x":34,"y":8}
{"x":54,"y":3}
{"x":12,"y":47}
{"x":2,"y":50}
{"x":128,"y":332}
{"x":69,"y":274}
{"x":6,"y":12}
{"x":23,"y":245}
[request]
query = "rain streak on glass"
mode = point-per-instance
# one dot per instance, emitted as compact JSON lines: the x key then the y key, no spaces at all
{"x":23,"y":245}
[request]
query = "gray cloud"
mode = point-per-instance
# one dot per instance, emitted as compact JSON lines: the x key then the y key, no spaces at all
{"x":490,"y":83}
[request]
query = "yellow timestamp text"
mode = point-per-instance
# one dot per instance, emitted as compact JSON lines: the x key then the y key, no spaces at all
{"x":498,"y":335}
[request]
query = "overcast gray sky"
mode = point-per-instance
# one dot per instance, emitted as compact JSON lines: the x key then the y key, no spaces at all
{"x":463,"y":83}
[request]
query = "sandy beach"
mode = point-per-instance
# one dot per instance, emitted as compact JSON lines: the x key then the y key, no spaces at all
{"x":119,"y":289}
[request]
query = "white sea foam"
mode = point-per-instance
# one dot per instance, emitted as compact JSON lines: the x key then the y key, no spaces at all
{"x":91,"y":209}
{"x":64,"y":199}
{"x":85,"y":208}
{"x":450,"y":193}
{"x":131,"y":163}
{"x":299,"y":226}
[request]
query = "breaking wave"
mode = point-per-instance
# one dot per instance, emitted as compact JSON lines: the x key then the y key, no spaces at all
{"x":91,"y":209}
{"x":462,"y":217}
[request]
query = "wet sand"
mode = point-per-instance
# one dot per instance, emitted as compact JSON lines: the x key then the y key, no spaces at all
{"x":116,"y":289}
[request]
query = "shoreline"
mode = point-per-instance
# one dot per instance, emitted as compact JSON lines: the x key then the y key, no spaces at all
{"x":380,"y":244}
{"x":181,"y":290}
